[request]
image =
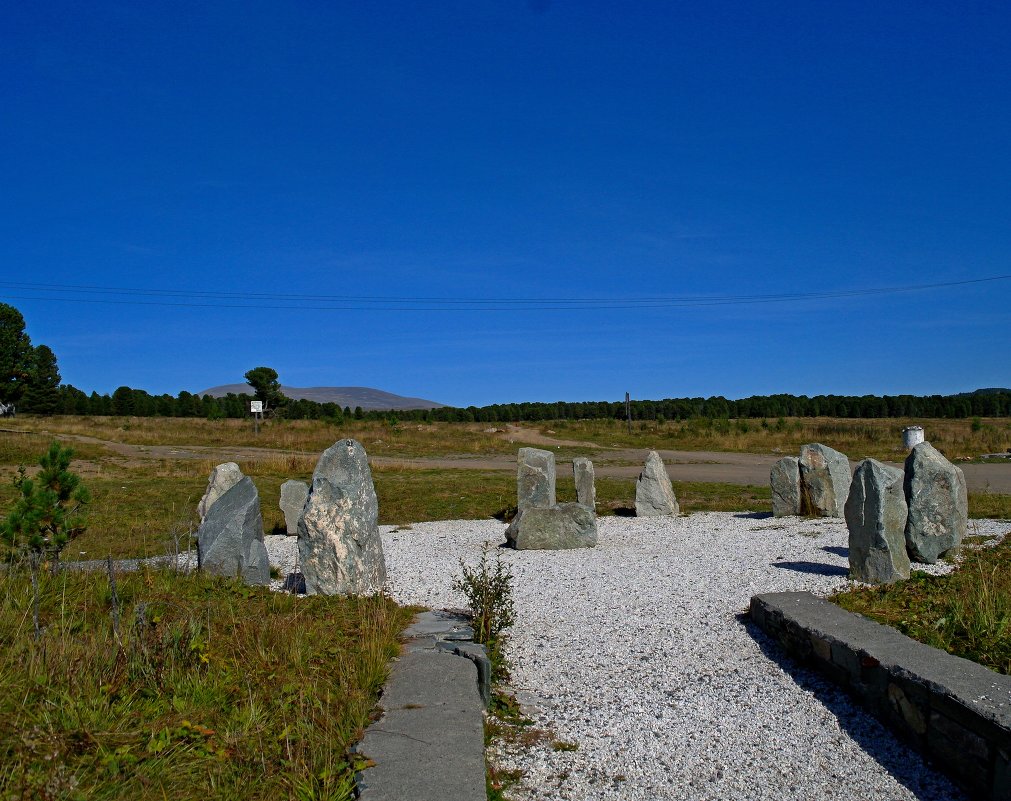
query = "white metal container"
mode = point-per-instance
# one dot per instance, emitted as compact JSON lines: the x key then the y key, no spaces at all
{"x":912,"y":436}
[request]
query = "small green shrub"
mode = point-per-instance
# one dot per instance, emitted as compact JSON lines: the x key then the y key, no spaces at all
{"x":488,"y":590}
{"x":46,"y":515}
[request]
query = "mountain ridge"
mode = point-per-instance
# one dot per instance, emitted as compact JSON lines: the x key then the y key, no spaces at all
{"x":368,"y":398}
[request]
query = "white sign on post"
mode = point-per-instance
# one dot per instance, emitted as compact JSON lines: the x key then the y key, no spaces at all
{"x":256,"y":407}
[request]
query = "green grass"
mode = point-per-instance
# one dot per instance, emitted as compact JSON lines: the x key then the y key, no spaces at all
{"x":210,"y":690}
{"x":966,"y":613}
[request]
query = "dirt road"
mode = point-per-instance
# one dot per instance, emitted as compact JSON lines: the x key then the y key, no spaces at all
{"x":706,"y":466}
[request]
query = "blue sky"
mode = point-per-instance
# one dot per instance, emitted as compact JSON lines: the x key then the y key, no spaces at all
{"x":442,"y":155}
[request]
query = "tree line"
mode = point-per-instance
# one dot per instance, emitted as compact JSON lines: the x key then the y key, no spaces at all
{"x":29,"y":378}
{"x":137,"y":402}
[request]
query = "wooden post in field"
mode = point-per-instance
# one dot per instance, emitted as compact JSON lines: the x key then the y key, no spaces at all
{"x":628,"y":412}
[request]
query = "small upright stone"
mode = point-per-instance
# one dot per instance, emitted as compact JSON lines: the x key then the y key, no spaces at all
{"x":559,"y":527}
{"x":535,"y":479}
{"x":824,"y":481}
{"x":339,"y":549}
{"x":582,"y":472}
{"x":231,"y":537}
{"x":293,"y":495}
{"x":938,"y":504}
{"x":654,"y":494}
{"x":784,"y":478}
{"x":876,"y":519}
{"x":223,"y":478}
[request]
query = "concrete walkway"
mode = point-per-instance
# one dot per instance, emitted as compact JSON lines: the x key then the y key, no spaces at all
{"x":429,"y":743}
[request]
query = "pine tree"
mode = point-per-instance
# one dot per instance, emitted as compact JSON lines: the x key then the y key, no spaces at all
{"x":42,"y":389}
{"x":16,"y":354}
{"x":46,"y":515}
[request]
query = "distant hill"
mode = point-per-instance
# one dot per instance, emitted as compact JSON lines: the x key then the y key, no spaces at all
{"x":987,"y":391}
{"x":366,"y":397}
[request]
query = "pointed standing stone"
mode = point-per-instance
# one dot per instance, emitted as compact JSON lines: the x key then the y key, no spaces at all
{"x":582,"y":472}
{"x":293,"y":495}
{"x":339,"y":549}
{"x":231,"y":537}
{"x":938,"y":504}
{"x":876,"y":519}
{"x":654,"y":494}
{"x":535,"y":479}
{"x":784,"y":478}
{"x":223,"y":478}
{"x":824,"y":481}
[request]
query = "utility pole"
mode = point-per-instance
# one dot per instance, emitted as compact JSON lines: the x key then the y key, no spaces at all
{"x":628,"y":412}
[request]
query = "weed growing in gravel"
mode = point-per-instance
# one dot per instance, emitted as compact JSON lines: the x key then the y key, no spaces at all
{"x":489,"y":593}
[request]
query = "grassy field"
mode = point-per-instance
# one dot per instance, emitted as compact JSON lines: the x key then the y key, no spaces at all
{"x":147,"y":506}
{"x":967,"y":613}
{"x":206,"y":688}
{"x":858,"y":439}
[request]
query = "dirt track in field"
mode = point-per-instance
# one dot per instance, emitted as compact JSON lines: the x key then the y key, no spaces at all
{"x":705,"y":466}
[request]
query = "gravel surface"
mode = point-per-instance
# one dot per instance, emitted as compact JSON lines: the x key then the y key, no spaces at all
{"x":635,"y":652}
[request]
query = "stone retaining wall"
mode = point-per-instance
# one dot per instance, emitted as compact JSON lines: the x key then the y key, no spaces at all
{"x":956,"y":712}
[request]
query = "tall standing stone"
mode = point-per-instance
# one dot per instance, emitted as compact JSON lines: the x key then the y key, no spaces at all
{"x":876,"y":519}
{"x":654,"y":494}
{"x":231,"y":536}
{"x":938,"y":504}
{"x":293,"y":495}
{"x":223,"y":478}
{"x":784,"y":479}
{"x":824,"y":481}
{"x":535,"y":479}
{"x":586,"y":491}
{"x":339,"y":549}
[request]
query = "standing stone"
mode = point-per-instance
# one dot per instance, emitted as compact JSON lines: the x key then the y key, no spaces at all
{"x":582,"y":472}
{"x":293,"y":495}
{"x":231,"y":537}
{"x":784,"y":478}
{"x":535,"y":479}
{"x":559,"y":527}
{"x":223,"y":478}
{"x":938,"y":504}
{"x":876,"y":519}
{"x":654,"y":495}
{"x":824,"y":481}
{"x":339,"y":549}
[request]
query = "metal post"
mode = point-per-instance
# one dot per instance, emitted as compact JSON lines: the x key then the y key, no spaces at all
{"x":628,"y":412}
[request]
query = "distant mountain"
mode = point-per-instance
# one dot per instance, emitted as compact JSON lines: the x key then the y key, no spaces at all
{"x":366,"y":397}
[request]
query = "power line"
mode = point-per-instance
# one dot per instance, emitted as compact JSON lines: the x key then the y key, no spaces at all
{"x":72,"y":293}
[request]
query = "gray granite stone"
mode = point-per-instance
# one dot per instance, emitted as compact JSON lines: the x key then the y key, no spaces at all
{"x":566,"y":525}
{"x":654,"y":495}
{"x":231,"y":536}
{"x":586,"y":491}
{"x":535,"y":478}
{"x":876,"y":520}
{"x":824,"y":480}
{"x":339,"y":549}
{"x":293,"y":495}
{"x":222,"y":478}
{"x":938,"y":504}
{"x":784,"y":478}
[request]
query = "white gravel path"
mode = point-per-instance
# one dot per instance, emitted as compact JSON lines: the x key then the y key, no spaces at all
{"x":634,"y":651}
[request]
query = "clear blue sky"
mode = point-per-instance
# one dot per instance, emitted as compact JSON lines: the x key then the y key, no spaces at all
{"x":511,"y":151}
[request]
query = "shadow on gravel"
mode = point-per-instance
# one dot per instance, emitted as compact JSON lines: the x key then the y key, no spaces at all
{"x":754,"y":515}
{"x":838,"y":550}
{"x":813,"y":567}
{"x":904,"y":764}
